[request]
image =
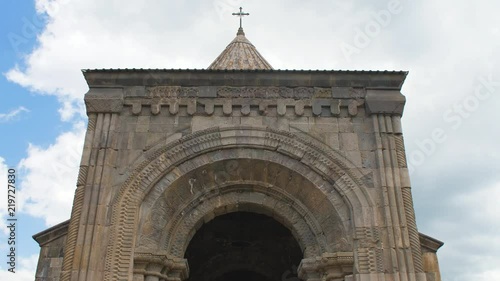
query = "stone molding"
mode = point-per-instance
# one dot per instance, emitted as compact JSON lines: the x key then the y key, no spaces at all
{"x":429,"y":244}
{"x":327,"y":267}
{"x":104,"y":100}
{"x":307,"y":229}
{"x":245,"y":106}
{"x":202,"y":100}
{"x":112,"y":100}
{"x":52,"y":233}
{"x":287,"y":78}
{"x":253,"y":92}
{"x":178,"y":231}
{"x":161,"y":266}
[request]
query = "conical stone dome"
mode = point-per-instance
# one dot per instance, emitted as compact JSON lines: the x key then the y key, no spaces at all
{"x":240,"y":54}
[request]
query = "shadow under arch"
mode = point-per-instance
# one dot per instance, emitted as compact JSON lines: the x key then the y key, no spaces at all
{"x":324,"y":165}
{"x":243,"y":245}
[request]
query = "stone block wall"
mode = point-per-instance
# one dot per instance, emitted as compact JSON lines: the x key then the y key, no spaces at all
{"x":52,"y":242}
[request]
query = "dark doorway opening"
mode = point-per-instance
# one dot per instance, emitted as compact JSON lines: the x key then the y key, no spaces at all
{"x":245,"y":247}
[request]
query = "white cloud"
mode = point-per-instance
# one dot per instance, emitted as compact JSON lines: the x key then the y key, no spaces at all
{"x":472,"y":234}
{"x":25,"y":269}
{"x":49,"y":177}
{"x":121,"y":39}
{"x":6,"y":117}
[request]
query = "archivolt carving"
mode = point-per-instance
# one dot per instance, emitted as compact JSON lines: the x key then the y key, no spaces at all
{"x":182,"y":227}
{"x":177,"y":230}
{"x":326,"y":164}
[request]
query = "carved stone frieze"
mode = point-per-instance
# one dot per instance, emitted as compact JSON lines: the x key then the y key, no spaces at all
{"x":172,"y":92}
{"x":327,"y":267}
{"x":320,"y":101}
{"x":266,"y":92}
{"x":318,"y":107}
{"x":161,"y":266}
{"x":370,"y":257}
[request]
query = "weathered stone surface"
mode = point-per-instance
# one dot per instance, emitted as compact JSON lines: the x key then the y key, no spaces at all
{"x":104,"y":100}
{"x":384,"y":102}
{"x":168,"y":152}
{"x":429,"y":257}
{"x":52,"y":242}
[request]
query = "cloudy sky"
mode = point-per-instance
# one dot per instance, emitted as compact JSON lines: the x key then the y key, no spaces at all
{"x":451,"y":49}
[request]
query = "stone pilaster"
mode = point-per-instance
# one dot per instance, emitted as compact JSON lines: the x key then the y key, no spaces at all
{"x":402,"y":249}
{"x":84,"y":253}
{"x":78,"y":200}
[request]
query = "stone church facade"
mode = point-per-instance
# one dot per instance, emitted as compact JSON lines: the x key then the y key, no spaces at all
{"x":241,"y":172}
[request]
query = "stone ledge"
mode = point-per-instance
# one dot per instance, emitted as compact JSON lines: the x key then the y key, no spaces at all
{"x":328,"y":266}
{"x":255,"y":92}
{"x":160,"y":265}
{"x":429,"y":244}
{"x":51,"y":234}
{"x":290,"y":78}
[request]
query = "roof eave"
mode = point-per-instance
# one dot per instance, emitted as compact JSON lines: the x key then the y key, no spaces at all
{"x":205,"y":77}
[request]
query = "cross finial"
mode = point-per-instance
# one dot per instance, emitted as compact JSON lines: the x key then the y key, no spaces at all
{"x":241,"y":15}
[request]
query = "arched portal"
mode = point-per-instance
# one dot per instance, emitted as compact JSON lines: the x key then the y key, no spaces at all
{"x":178,"y":187}
{"x":197,"y":193}
{"x":243,"y":246}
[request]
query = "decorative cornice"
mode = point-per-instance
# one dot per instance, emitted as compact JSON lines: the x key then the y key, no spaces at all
{"x":429,"y":244}
{"x":245,"y":99}
{"x":238,"y":78}
{"x":317,"y":106}
{"x":51,"y":234}
{"x":112,"y":100}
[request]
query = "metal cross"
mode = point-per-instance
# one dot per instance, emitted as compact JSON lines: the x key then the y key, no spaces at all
{"x":241,"y":15}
